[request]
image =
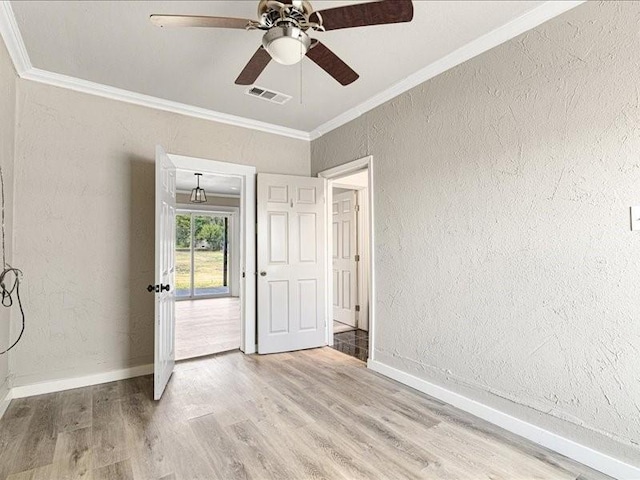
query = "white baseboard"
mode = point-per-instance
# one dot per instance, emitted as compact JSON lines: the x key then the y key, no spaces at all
{"x":580,"y":453}
{"x":4,"y":403}
{"x":77,"y":382}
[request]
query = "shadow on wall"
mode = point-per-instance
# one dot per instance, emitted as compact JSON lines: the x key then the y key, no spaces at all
{"x":141,"y":258}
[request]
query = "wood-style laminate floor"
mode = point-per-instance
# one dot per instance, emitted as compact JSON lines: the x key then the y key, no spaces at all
{"x":315,"y":414}
{"x":207,"y":326}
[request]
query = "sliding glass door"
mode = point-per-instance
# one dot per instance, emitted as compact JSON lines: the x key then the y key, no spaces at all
{"x":202,"y":255}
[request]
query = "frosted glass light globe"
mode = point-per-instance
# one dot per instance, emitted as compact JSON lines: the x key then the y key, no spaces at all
{"x":286,"y":45}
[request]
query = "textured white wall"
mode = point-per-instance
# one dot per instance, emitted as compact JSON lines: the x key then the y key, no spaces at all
{"x":8,"y":79}
{"x":84,"y":221}
{"x":506,"y":270}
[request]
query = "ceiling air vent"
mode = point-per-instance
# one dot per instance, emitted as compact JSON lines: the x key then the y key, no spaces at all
{"x":268,"y":95}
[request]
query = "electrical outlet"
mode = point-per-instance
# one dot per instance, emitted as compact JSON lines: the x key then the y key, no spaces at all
{"x":635,"y":218}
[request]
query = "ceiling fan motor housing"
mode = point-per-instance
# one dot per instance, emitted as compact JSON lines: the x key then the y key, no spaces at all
{"x":274,"y":17}
{"x":271,"y":10}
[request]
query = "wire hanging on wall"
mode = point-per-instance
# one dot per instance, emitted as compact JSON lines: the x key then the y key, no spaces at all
{"x":7,"y":271}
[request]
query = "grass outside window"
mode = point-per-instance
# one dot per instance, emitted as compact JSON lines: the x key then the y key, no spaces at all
{"x":209,"y":269}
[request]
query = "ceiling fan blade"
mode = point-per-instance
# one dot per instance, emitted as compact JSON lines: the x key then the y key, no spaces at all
{"x":363,"y":14}
{"x":332,"y":64}
{"x":198,"y":21}
{"x":254,"y":68}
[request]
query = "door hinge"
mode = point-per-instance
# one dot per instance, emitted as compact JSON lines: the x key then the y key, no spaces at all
{"x":357,"y":258}
{"x":357,"y":308}
{"x":357,"y":208}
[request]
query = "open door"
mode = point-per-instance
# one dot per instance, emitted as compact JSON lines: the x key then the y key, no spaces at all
{"x":291,"y":263}
{"x":165,"y":320}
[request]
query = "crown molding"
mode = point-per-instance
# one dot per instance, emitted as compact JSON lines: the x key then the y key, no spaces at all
{"x":85,"y":86}
{"x":13,"y":39}
{"x":15,"y":45}
{"x":504,"y":33}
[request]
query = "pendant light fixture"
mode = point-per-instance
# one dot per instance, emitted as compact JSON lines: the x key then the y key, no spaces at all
{"x":198,"y":194}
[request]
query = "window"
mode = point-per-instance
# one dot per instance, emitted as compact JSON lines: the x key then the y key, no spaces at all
{"x":202,"y":255}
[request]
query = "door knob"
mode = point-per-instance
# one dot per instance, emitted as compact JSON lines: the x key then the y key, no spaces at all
{"x":263,"y":273}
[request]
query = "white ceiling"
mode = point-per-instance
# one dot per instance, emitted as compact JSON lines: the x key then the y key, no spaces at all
{"x":113,"y":43}
{"x":212,"y":184}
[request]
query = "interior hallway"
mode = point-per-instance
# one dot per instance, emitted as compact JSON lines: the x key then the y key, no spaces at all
{"x":309,"y":414}
{"x":207,"y":326}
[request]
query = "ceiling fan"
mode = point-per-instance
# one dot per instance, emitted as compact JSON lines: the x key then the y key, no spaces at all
{"x":287,"y":23}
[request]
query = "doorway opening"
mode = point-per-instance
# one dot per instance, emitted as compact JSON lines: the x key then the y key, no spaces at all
{"x":350,"y":242}
{"x":207,"y":266}
{"x":203,"y":267}
{"x":169,"y":183}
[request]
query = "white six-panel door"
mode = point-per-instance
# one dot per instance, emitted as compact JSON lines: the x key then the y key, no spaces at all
{"x":164,"y":353}
{"x":344,"y":248}
{"x":291,"y":263}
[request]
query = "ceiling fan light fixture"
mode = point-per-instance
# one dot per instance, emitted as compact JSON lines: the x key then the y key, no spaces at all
{"x":287,"y":45}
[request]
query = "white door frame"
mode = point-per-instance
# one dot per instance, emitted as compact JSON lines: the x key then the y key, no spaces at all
{"x":333,"y":176}
{"x":247,"y":175}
